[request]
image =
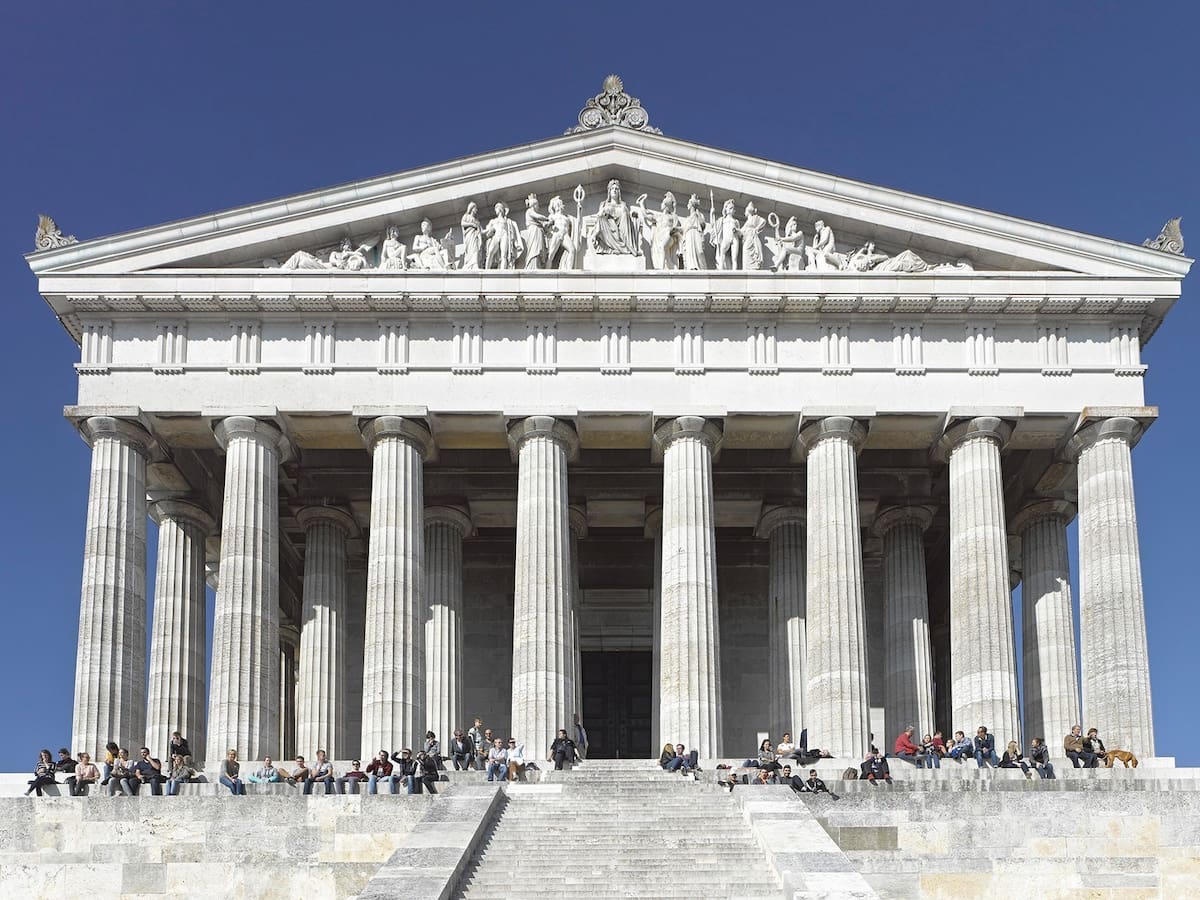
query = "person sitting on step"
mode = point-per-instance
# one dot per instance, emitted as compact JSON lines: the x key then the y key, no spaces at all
{"x":86,"y":774}
{"x":905,"y":749}
{"x":669,"y":760}
{"x":874,"y":768}
{"x":962,"y":747}
{"x":426,"y":774}
{"x":1013,"y":759}
{"x":351,"y":778}
{"x":516,"y":760}
{"x":785,"y":748}
{"x":1076,"y":751}
{"x":406,"y":771}
{"x":267,"y":773}
{"x":815,"y":785}
{"x":497,"y":761}
{"x":766,"y":757}
{"x":181,"y":772}
{"x":1093,"y":745}
{"x":298,"y":775}
{"x":122,"y":777}
{"x":230,"y":769}
{"x":939,"y":746}
{"x":462,"y":752}
{"x":1039,"y":755}
{"x":765,"y":776}
{"x":691,"y":760}
{"x":433,"y":748}
{"x":380,"y":769}
{"x":929,"y":750}
{"x":43,"y":773}
{"x":562,"y":750}
{"x":322,"y":772}
{"x":985,"y":748}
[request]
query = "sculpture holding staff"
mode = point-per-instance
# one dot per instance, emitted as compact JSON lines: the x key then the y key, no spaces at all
{"x":614,"y":231}
{"x":663,"y":231}
{"x":503,"y":240}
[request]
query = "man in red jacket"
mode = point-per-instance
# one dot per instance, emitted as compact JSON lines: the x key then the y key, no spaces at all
{"x":907,"y":750}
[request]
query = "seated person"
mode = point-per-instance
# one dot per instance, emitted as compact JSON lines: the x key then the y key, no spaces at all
{"x":148,"y":770}
{"x":322,"y":772}
{"x":462,"y":752}
{"x":497,"y":761}
{"x":266,"y":774}
{"x":179,"y":745}
{"x":516,"y":760}
{"x":985,"y":748}
{"x":766,"y":757}
{"x":406,"y":771}
{"x":1076,"y":751}
{"x":299,"y":774}
{"x":86,"y":774}
{"x":963,"y":747}
{"x":815,"y":785}
{"x":933,"y":759}
{"x":939,"y":745}
{"x":352,"y":778}
{"x":669,"y":760}
{"x":180,"y":772}
{"x":433,"y":748}
{"x":43,"y":773}
{"x":426,"y":774}
{"x":66,"y":765}
{"x":905,"y":749}
{"x":122,"y":777}
{"x":785,"y":748}
{"x":1039,"y":755}
{"x":380,"y":768}
{"x":691,"y":760}
{"x":1013,"y":759}
{"x":1093,"y":745}
{"x":765,"y":776}
{"x":874,"y":768}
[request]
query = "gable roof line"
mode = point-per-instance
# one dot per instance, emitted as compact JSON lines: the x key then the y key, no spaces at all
{"x":834,"y":190}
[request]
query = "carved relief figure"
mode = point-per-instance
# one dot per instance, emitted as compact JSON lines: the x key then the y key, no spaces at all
{"x":752,"y":249}
{"x":663,"y":231}
{"x":787,"y":250}
{"x":724,"y":234}
{"x":392,"y":253}
{"x":349,"y":257}
{"x":472,"y":238}
{"x":905,"y":261}
{"x":560,"y":252}
{"x":614,"y":232}
{"x":692,"y":240}
{"x":865,"y":258}
{"x":822,"y":257}
{"x":535,"y":233}
{"x":503,"y":240}
{"x":428,"y":252}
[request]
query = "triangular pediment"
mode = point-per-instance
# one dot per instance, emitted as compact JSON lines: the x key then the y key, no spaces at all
{"x":902,"y":227}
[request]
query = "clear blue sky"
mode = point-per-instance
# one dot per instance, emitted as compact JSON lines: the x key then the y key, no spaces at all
{"x":115,"y":116}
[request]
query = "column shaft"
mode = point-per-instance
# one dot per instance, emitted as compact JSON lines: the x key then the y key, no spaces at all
{"x":1048,"y":630}
{"x":983,"y":656}
{"x":542,"y":690}
{"x":653,"y":530}
{"x":110,"y":663}
{"x":578,"y":522}
{"x":394,"y":644}
{"x":445,"y":528}
{"x":690,"y":699}
{"x":1112,"y":614}
{"x":176,"y":696}
{"x":244,"y":703}
{"x":838,"y":708}
{"x":786,"y":608}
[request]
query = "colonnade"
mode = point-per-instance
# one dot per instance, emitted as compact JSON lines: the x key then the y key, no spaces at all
{"x":412,"y":658}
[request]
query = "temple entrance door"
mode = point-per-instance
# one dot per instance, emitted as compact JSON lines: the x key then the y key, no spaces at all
{"x":616,"y":703}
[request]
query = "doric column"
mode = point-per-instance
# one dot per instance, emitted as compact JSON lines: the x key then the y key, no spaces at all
{"x":783,"y":527}
{"x":1047,"y":623}
{"x":289,"y":656}
{"x":393,"y":711}
{"x":908,"y":655}
{"x":110,"y":662}
{"x":542,"y":690}
{"x":176,"y":697}
{"x":243,"y":700}
{"x":320,"y":694}
{"x":445,"y":528}
{"x":690,"y":674}
{"x":982,"y":654}
{"x":653,"y":531}
{"x":838,"y":707}
{"x":579,"y":530}
{"x":1112,"y":614}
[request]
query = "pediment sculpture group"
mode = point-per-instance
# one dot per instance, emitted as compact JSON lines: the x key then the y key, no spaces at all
{"x":556,"y":240}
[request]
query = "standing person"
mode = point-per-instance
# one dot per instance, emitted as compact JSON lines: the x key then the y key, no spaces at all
{"x":67,"y":765}
{"x":1039,"y":755}
{"x":516,"y":760}
{"x":43,"y":773}
{"x":181,"y":772}
{"x":497,"y":760}
{"x":462,"y":752}
{"x":480,"y":743}
{"x":148,"y":770}
{"x":985,"y":748}
{"x":86,"y":774}
{"x":230,"y":772}
{"x":380,"y":768}
{"x":1076,"y":752}
{"x":581,"y":738}
{"x":352,"y":778}
{"x":323,"y":772}
{"x":905,"y":749}
{"x":562,"y":750}
{"x":1013,"y":759}
{"x":122,"y":777}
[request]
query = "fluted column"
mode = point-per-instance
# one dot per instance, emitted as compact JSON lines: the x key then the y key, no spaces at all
{"x":653,"y":531}
{"x":445,"y":528}
{"x":982,"y":650}
{"x":320,"y":694}
{"x":394,"y":645}
{"x":176,"y":696}
{"x":289,"y":677}
{"x":579,"y":530}
{"x":110,"y":662}
{"x":690,"y":675}
{"x":1051,"y":691}
{"x":243,"y":701}
{"x":783,"y":527}
{"x":1112,"y":614}
{"x":838,"y":706}
{"x":542,"y":690}
{"x":908,"y":656}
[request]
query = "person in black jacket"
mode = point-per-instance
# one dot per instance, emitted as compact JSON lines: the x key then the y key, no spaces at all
{"x":815,"y":785}
{"x":405,"y":771}
{"x":875,"y":768}
{"x":462,"y":752}
{"x":43,"y":773}
{"x":1093,"y":745}
{"x":985,"y":748}
{"x":179,"y":746}
{"x":1039,"y":755}
{"x":66,"y":764}
{"x":563,"y":750}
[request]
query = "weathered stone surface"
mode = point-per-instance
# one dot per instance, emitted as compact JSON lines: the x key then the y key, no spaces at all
{"x":787,"y":646}
{"x":445,"y":528}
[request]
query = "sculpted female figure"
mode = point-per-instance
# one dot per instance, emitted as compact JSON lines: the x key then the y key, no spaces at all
{"x":614,"y":225}
{"x":472,"y":238}
{"x":560,"y":252}
{"x":503,"y":240}
{"x":666,"y":232}
{"x":724,"y":235}
{"x":752,"y":249}
{"x":691,"y":242}
{"x":428,"y":252}
{"x":391,"y":254}
{"x":348,"y":257}
{"x":535,"y":233}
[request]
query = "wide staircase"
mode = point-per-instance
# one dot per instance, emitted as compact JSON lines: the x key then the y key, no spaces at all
{"x":614,"y":828}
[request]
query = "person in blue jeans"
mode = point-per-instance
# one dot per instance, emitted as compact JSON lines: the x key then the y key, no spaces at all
{"x":961,"y":747}
{"x":497,"y":761}
{"x":985,"y":748}
{"x":669,"y":761}
{"x":230,"y":770}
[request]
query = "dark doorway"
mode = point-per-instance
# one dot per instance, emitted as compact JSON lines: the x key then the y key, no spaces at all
{"x":616,"y":703}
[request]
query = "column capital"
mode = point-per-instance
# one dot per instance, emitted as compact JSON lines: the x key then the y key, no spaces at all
{"x":247,"y":426}
{"x":1041,"y":508}
{"x":993,"y":428}
{"x":558,"y":430}
{"x":183,"y":511}
{"x":1119,"y":428}
{"x":780,"y":515}
{"x":887,"y":519}
{"x":311,"y":515}
{"x":95,"y":427}
{"x":845,"y":428}
{"x":699,"y":428}
{"x":452,"y":516}
{"x":578,"y":521}
{"x":408,"y":430}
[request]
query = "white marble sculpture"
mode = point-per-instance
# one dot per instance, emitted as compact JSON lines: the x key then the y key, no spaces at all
{"x":691,"y":242}
{"x":725,"y":235}
{"x":50,"y":236}
{"x":787,"y":250}
{"x":822,"y":255}
{"x":346,"y":258}
{"x":536,"y":223}
{"x":614,"y":231}
{"x":472,"y":236}
{"x":560,"y":249}
{"x":428,"y":252}
{"x":392,"y":254}
{"x":663,"y":231}
{"x":752,"y":248}
{"x":865,"y":258}
{"x":504,"y":244}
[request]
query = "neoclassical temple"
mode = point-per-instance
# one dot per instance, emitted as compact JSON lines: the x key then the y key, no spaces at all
{"x":691,"y":444}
